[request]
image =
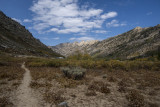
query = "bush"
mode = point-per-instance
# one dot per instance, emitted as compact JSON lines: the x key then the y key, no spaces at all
{"x":138,"y":64}
{"x":87,"y":64}
{"x":115,"y":64}
{"x":76,"y":73}
{"x":156,"y":66}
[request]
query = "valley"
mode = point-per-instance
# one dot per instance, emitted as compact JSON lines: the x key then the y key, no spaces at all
{"x":121,"y":71}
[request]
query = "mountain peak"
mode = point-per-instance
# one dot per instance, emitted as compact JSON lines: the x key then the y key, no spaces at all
{"x":89,"y":42}
{"x":158,"y":25}
{"x":138,"y":29}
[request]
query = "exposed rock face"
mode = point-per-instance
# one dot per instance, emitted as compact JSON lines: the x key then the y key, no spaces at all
{"x":134,"y":43}
{"x":67,"y":49}
{"x":15,"y":39}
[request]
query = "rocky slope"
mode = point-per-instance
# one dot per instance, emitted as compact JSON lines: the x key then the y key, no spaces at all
{"x":67,"y":49}
{"x":15,"y":39}
{"x":138,"y":42}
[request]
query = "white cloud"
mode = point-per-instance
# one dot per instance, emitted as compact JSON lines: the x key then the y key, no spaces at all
{"x":66,"y":16}
{"x":27,"y":20}
{"x":17,"y":20}
{"x":109,"y":15}
{"x":115,"y":23}
{"x":56,"y":38}
{"x":149,"y":13}
{"x":82,"y":38}
{"x":100,"y":31}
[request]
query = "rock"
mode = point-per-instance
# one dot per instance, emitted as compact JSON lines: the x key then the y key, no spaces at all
{"x":63,"y":104}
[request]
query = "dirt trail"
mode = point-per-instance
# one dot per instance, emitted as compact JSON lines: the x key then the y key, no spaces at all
{"x":25,"y":95}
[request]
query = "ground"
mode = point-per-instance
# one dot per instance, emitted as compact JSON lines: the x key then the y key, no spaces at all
{"x":47,"y":86}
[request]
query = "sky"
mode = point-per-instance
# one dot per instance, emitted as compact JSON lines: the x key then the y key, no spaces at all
{"x":60,"y":21}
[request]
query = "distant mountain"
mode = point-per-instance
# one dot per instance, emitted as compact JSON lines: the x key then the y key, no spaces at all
{"x":15,"y":39}
{"x":67,"y":49}
{"x":138,"y":42}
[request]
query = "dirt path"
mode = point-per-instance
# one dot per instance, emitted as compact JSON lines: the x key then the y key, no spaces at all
{"x":25,"y":95}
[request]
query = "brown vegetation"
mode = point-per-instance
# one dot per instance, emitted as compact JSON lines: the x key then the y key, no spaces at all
{"x":53,"y":98}
{"x":135,"y":99}
{"x":4,"y":102}
{"x":11,"y":75}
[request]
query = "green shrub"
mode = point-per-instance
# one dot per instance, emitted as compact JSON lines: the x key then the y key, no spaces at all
{"x":102,"y":64}
{"x":137,"y":65}
{"x":156,"y":66}
{"x":84,"y":61}
{"x":117,"y":65}
{"x":73,"y":72}
{"x":87,"y":64}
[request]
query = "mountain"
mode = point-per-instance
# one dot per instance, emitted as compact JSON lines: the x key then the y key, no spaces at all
{"x":138,"y":42}
{"x":16,"y":39}
{"x":67,"y":49}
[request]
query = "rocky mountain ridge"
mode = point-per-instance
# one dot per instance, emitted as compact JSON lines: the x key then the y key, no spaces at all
{"x":67,"y":49}
{"x":138,"y":42}
{"x":16,"y":39}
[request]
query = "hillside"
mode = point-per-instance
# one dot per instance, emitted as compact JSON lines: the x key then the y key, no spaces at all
{"x":67,"y":49}
{"x":138,"y":42}
{"x":16,"y":39}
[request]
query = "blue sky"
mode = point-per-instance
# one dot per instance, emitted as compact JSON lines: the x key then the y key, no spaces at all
{"x":59,"y":21}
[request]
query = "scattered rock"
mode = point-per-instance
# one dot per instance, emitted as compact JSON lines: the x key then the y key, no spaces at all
{"x":63,"y":104}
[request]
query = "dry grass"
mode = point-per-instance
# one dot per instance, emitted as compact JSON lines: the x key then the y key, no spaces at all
{"x":111,"y":79}
{"x":135,"y":99}
{"x":90,"y":93}
{"x":120,"y":82}
{"x":38,"y":85}
{"x":53,"y":98}
{"x":99,"y":86}
{"x":54,"y":74}
{"x":11,"y":75}
{"x":4,"y":102}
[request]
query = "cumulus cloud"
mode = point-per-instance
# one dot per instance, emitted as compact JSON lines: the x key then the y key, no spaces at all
{"x":66,"y":16}
{"x":115,"y":23}
{"x":27,"y":20}
{"x":109,"y":15}
{"x":85,"y":38}
{"x":17,"y":20}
